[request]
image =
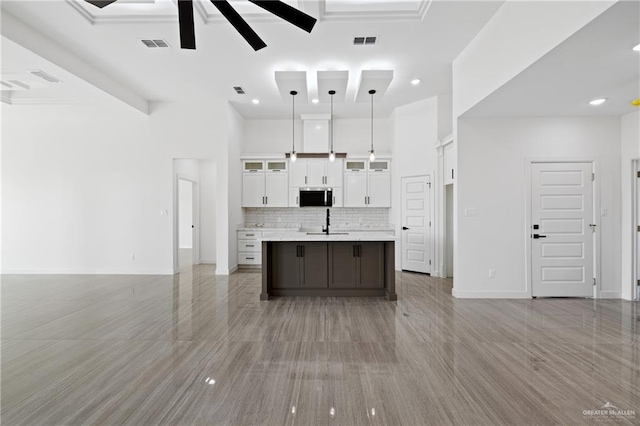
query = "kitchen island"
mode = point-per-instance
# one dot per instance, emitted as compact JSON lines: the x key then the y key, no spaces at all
{"x":339,"y":264}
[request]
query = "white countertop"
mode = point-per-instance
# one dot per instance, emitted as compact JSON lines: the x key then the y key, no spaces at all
{"x":336,"y":228}
{"x":351,"y":236}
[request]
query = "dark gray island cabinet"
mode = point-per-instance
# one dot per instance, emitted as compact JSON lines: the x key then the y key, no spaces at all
{"x":326,"y":267}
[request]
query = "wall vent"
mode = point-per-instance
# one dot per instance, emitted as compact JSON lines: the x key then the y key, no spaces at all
{"x":239,"y":90}
{"x":158,"y":42}
{"x":43,"y":75}
{"x":365,"y":41}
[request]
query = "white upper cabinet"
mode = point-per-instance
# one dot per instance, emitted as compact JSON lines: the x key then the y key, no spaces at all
{"x":337,"y":197}
{"x":316,"y":172}
{"x":449,"y":164}
{"x":367,"y":183}
{"x":265,"y":183}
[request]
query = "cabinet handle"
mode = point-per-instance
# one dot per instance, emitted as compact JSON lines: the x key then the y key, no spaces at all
{"x":297,"y":201}
{"x":451,"y":173}
{"x":250,"y":258}
{"x":354,"y":251}
{"x":249,"y":235}
{"x":334,"y":199}
{"x":297,"y":251}
{"x":305,"y":180}
{"x":266,"y":200}
{"x":249,"y":245}
{"x":358,"y":250}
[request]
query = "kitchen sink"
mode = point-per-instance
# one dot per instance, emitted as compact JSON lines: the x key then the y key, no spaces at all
{"x":330,"y":233}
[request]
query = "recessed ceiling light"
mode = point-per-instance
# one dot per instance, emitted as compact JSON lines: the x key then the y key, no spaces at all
{"x":637,"y":48}
{"x":255,"y":101}
{"x":415,"y":81}
{"x":315,"y":101}
{"x":597,"y":102}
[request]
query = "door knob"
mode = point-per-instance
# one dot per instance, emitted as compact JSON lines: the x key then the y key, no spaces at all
{"x":404,"y":228}
{"x":536,"y":236}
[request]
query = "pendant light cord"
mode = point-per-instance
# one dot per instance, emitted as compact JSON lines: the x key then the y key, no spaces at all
{"x":372,"y":93}
{"x":293,"y":94}
{"x":331,"y":121}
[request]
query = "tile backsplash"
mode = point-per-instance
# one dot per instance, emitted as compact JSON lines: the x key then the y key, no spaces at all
{"x":315,"y":216}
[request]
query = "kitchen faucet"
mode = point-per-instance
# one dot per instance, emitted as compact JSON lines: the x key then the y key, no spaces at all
{"x":326,"y":230}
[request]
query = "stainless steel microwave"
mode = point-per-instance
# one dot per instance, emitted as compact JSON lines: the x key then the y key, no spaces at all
{"x":316,"y":197}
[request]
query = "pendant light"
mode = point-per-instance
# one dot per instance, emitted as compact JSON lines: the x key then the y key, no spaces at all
{"x":293,"y":94}
{"x":332,"y":155}
{"x":372,"y":156}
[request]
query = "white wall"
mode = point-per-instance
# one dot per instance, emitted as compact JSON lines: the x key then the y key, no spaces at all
{"x":352,"y":136}
{"x":630,"y":146}
{"x":491,"y":179}
{"x":84,"y":190}
{"x":208,"y":221}
{"x":414,"y":153}
{"x":185,"y":213}
{"x":519,"y":33}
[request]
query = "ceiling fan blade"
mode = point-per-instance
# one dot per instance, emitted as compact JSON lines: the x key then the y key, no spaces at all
{"x":239,"y":24}
{"x":288,"y":13}
{"x":101,"y":3}
{"x":187,"y":26}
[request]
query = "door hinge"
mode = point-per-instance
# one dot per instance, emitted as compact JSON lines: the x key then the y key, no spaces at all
{"x":429,"y":223}
{"x":593,"y":227}
{"x":593,"y":177}
{"x":639,"y":174}
{"x":429,"y":183}
{"x":429,"y":263}
{"x":594,"y":281}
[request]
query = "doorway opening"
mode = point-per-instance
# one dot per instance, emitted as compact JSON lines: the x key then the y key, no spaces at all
{"x":636,"y":221}
{"x":448,"y":230}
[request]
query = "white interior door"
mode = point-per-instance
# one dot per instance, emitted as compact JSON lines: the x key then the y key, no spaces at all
{"x":562,"y":254}
{"x":415,"y":224}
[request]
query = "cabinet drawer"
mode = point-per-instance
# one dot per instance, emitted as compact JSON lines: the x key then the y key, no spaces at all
{"x":249,"y":235}
{"x":249,"y":258}
{"x":249,"y":246}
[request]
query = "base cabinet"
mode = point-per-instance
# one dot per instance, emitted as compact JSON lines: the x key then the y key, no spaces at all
{"x":356,"y":265}
{"x":299,"y":265}
{"x":339,"y":265}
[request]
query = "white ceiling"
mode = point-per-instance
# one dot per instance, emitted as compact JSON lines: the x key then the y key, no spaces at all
{"x":596,"y":62}
{"x":417,"y":39}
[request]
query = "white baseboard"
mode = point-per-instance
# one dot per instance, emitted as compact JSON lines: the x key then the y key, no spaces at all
{"x":47,"y":271}
{"x":490,"y":294}
{"x":207,"y":261}
{"x":610,"y":295}
{"x":220,"y":271}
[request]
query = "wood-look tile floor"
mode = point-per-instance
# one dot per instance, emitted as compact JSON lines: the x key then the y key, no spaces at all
{"x":201,"y":349}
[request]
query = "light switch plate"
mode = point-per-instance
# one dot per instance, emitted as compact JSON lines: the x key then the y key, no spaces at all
{"x":471,"y":212}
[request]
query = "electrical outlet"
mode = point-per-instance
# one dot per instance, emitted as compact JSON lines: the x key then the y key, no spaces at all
{"x":471,"y":212}
{"x":492,"y":273}
{"x":164,"y":213}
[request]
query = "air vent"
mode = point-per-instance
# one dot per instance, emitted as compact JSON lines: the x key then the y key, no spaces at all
{"x":20,"y":84}
{"x":365,"y":41}
{"x":239,"y":90}
{"x":43,"y":75}
{"x":155,"y":43}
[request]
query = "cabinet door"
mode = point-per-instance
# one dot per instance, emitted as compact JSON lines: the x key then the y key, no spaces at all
{"x":379,"y":189}
{"x":334,"y":173}
{"x":338,"y":197}
{"x":316,"y":173}
{"x":294,"y":197}
{"x":342,"y":265}
{"x":285,"y":265}
{"x":253,"y":189}
{"x":355,"y":189}
{"x":449,"y":161}
{"x":371,"y":265}
{"x":314,"y":265}
{"x":298,"y":173}
{"x":276,"y":190}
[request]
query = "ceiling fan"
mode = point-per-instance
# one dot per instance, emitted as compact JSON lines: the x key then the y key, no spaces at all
{"x":275,"y":7}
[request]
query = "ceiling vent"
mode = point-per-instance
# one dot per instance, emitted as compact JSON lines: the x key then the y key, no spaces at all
{"x":239,"y":90}
{"x":155,"y":43}
{"x":365,"y":41}
{"x":43,"y":75}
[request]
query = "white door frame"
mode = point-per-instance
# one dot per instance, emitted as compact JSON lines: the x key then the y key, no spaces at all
{"x":528,"y":224}
{"x":439,"y":267}
{"x":429,"y":228}
{"x":176,"y":220}
{"x":635,"y":168}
